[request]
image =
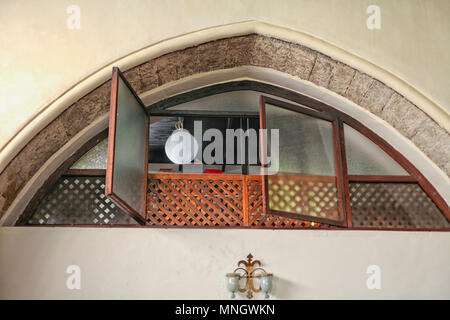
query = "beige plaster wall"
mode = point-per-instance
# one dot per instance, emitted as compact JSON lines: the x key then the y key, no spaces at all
{"x":40,"y":58}
{"x":191,"y":264}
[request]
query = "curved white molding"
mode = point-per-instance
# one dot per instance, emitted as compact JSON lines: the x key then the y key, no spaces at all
{"x":51,"y":111}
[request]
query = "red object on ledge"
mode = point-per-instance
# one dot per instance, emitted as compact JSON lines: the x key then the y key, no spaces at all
{"x":213,"y":171}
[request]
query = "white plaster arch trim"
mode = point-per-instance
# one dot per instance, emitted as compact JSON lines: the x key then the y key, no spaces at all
{"x":427,"y":167}
{"x":78,"y":90}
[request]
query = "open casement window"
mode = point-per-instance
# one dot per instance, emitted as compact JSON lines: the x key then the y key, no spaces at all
{"x":126,"y":181}
{"x":326,"y":170}
{"x":301,"y":171}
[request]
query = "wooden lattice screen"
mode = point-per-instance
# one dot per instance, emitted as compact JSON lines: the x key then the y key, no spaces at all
{"x":394,"y":205}
{"x":195,"y":200}
{"x":211,"y":200}
{"x":257,"y":216}
{"x":78,"y":200}
{"x":179,"y":200}
{"x":314,"y":196}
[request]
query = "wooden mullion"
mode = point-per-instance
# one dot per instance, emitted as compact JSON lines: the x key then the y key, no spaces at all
{"x":245,"y":200}
{"x":85,"y":172}
{"x":341,"y":171}
{"x":381,"y":178}
{"x":300,"y":109}
{"x":147,"y":137}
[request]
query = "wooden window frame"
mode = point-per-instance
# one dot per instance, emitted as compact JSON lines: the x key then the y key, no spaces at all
{"x":338,"y":161}
{"x":109,"y":190}
{"x":343,"y":179}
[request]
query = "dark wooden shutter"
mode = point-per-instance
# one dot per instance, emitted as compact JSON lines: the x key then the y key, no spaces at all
{"x":126,"y":174}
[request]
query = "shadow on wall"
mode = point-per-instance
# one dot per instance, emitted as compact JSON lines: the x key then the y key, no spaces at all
{"x":285,"y":289}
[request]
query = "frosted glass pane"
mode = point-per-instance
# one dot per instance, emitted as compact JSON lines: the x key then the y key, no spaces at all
{"x":129,"y":176}
{"x":366,"y":158}
{"x":306,"y":182}
{"x":95,"y":158}
{"x":306,"y":143}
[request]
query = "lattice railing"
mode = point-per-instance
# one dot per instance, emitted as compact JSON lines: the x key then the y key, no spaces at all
{"x":258,"y":218}
{"x":195,"y":200}
{"x":211,"y":200}
{"x":78,"y":200}
{"x":314,"y":196}
{"x":394,"y":205}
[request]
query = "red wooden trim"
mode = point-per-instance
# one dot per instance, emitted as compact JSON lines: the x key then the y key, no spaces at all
{"x":228,"y":227}
{"x":381,"y":178}
{"x":305,"y":110}
{"x":112,"y":131}
{"x":147,"y":137}
{"x":194,"y":176}
{"x":343,"y":161}
{"x":262,"y":126}
{"x":339,"y":223}
{"x":245,"y":200}
{"x":341,"y":173}
{"x":85,"y":172}
{"x":305,"y":177}
{"x":127,"y":209}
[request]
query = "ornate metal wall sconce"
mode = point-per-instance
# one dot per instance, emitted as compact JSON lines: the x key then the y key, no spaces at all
{"x":249,"y":272}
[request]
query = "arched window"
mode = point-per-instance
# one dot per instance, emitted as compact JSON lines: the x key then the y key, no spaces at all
{"x":317,"y":168}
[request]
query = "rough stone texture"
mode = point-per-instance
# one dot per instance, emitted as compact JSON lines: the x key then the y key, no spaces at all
{"x":253,"y":50}
{"x":403,"y":115}
{"x":376,"y":97}
{"x":341,"y":76}
{"x":134,"y":79}
{"x":322,"y":70}
{"x":358,"y":87}
{"x":434,"y":141}
{"x":148,"y":74}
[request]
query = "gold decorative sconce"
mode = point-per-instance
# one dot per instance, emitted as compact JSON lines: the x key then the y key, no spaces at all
{"x":249,"y":273}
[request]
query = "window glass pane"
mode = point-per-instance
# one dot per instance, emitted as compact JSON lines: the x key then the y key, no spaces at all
{"x":393,"y":205}
{"x":129,"y":174}
{"x":237,"y":101}
{"x":96,"y":158}
{"x":78,"y":200}
{"x":365,"y":158}
{"x":306,"y":182}
{"x":240,"y":101}
{"x":306,"y":143}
